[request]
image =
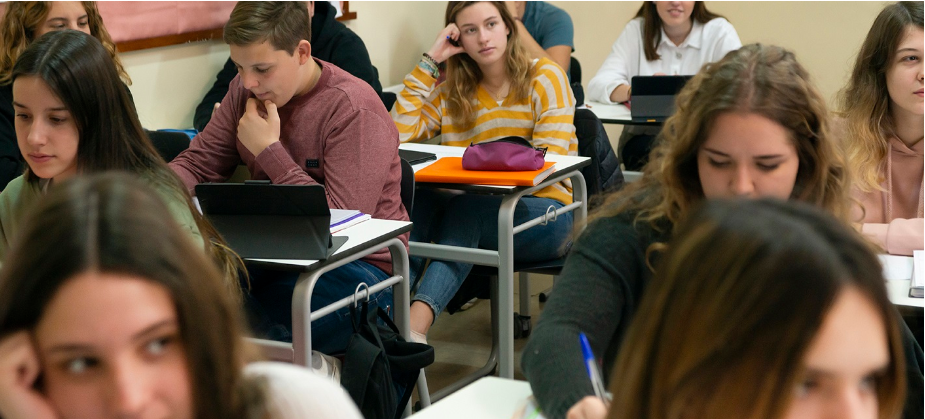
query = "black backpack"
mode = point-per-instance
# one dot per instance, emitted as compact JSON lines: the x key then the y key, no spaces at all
{"x":380,"y":367}
{"x":603,"y":174}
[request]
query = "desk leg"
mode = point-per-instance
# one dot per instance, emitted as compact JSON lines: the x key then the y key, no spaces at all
{"x":301,"y":318}
{"x":505,"y":329}
{"x":401,"y":292}
{"x":301,"y":298}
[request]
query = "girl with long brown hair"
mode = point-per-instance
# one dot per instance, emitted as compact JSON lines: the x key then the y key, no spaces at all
{"x":492,"y":91}
{"x":665,"y":37}
{"x":881,"y":128}
{"x":66,"y":126}
{"x":109,"y":310}
{"x":752,"y":125}
{"x":23,"y":23}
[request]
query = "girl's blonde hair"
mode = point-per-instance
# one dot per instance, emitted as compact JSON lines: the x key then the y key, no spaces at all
{"x":19,"y":24}
{"x":865,"y":101}
{"x":463,"y":74}
{"x":758,"y":79}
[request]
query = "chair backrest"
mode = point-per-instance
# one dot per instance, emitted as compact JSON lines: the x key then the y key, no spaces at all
{"x":169,"y":144}
{"x":407,"y":185}
{"x":574,"y":70}
{"x":574,"y":75}
{"x":604,"y":173}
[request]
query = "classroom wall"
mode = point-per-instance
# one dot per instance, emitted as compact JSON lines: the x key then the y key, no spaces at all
{"x":825,"y":36}
{"x":168,"y":82}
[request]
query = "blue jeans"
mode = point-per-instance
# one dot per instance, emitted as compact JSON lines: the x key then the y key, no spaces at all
{"x":471,"y":221}
{"x":269,"y":303}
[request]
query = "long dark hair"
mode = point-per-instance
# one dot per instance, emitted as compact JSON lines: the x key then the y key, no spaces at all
{"x":79,"y":70}
{"x":652,"y":25}
{"x":115,"y":223}
{"x":739,"y":278}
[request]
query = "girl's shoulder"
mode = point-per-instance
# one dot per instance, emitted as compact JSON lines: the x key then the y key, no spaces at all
{"x":546,"y":71}
{"x":296,"y":392}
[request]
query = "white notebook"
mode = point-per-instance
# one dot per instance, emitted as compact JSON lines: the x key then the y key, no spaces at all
{"x":341,"y":219}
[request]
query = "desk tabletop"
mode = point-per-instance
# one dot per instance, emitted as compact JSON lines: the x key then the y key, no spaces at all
{"x":898,"y":273}
{"x":563,"y":163}
{"x":361,"y":236}
{"x":486,"y":398}
{"x":616,"y":113}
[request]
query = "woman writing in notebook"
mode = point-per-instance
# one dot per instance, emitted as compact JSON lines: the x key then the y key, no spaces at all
{"x":665,"y":37}
{"x":492,"y":91}
{"x":881,"y":128}
{"x":67,"y":127}
{"x":740,"y":278}
{"x":24,"y":22}
{"x":751,"y":125}
{"x":109,"y":310}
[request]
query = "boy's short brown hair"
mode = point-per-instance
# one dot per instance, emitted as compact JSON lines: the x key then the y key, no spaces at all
{"x":282,"y":23}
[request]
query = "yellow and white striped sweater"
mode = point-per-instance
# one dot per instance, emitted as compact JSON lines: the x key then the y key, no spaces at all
{"x":545,"y":118}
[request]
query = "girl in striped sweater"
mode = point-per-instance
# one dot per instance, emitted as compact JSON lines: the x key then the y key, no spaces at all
{"x":492,"y":90}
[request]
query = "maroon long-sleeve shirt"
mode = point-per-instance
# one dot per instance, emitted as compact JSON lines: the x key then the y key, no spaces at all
{"x":338,"y":134}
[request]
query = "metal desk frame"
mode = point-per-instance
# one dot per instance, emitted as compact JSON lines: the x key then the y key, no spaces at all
{"x":502,"y":289}
{"x":299,"y":351}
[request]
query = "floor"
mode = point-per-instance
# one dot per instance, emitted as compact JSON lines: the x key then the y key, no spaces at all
{"x":462,"y":341}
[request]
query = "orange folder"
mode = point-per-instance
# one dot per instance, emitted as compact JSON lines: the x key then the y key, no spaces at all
{"x":450,"y":170}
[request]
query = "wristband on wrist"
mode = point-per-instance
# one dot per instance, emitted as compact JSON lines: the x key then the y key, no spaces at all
{"x":431,"y":60}
{"x":431,"y":65}
{"x":428,"y":67}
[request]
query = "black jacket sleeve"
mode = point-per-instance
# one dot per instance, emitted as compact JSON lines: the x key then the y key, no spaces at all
{"x":215,"y":95}
{"x":11,"y":161}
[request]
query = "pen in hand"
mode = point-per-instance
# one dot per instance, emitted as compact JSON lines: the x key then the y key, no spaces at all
{"x":593,"y":372}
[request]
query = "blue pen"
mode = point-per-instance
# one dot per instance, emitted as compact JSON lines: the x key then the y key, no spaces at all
{"x":593,"y":372}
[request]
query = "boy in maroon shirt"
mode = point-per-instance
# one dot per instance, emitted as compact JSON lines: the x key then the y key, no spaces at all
{"x":293,"y":119}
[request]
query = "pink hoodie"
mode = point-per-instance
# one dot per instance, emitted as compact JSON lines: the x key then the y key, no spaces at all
{"x":893,"y":216}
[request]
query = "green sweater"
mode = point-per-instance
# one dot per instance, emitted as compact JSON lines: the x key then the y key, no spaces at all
{"x":18,"y":198}
{"x":597,"y":293}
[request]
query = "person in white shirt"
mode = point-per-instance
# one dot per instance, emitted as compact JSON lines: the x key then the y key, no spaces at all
{"x":665,"y":38}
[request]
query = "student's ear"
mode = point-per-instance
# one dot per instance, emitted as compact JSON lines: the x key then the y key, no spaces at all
{"x":304,"y":51}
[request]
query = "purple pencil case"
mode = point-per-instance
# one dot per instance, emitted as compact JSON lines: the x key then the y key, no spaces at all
{"x":508,"y":154}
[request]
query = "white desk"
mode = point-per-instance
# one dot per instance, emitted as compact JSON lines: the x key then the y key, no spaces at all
{"x":614,"y":114}
{"x":567,"y":167}
{"x":487,"y":398}
{"x":898,"y":273}
{"x":363,"y":239}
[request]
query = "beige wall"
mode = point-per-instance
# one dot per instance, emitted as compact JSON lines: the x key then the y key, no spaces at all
{"x":824,"y":35}
{"x":169,"y":82}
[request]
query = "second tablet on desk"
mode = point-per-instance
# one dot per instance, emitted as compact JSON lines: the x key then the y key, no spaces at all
{"x":653,"y":97}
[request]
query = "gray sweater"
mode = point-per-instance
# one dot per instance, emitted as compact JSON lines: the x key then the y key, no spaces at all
{"x":596,"y":293}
